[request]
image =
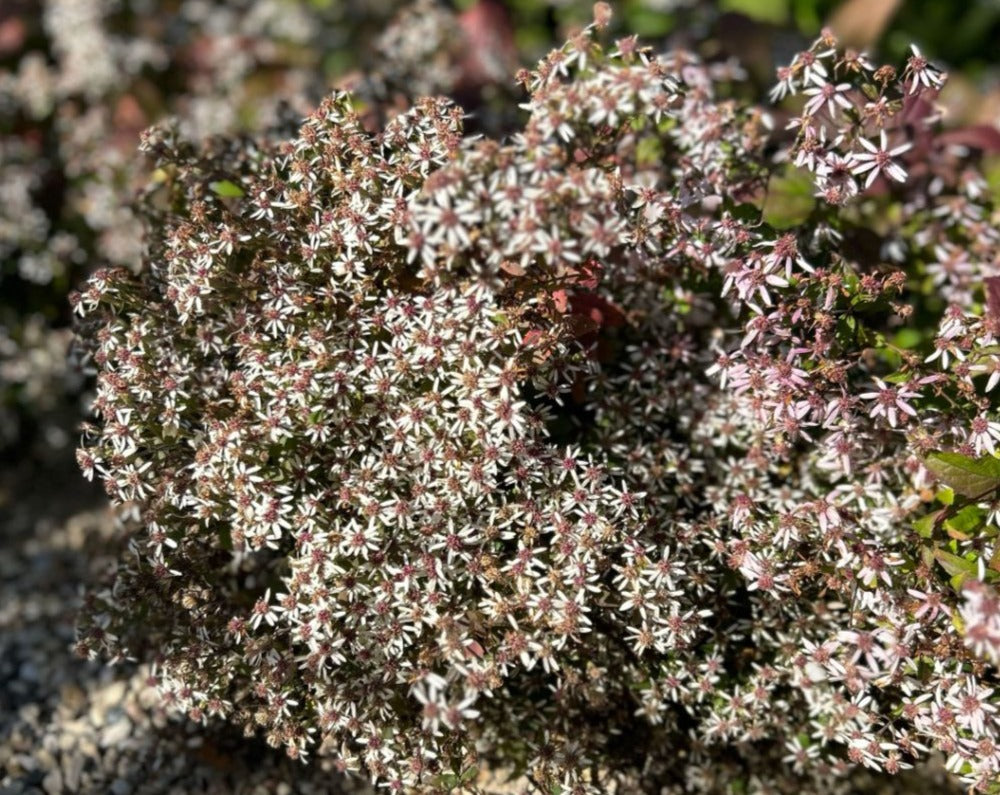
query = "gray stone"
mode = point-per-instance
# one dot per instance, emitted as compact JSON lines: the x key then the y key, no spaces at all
{"x":71,"y":698}
{"x":45,"y":759}
{"x":26,"y":762}
{"x":28,"y":671}
{"x":112,"y":695}
{"x":72,"y":767}
{"x":29,"y":713}
{"x":76,"y":728}
{"x":120,"y":786}
{"x":87,"y":748}
{"x":53,"y":782}
{"x":114,"y":734}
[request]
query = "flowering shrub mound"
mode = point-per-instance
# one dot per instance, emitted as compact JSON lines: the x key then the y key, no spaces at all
{"x":606,"y":452}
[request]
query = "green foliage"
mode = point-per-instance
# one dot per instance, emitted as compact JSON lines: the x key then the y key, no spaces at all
{"x":226,"y":189}
{"x":971,"y":477}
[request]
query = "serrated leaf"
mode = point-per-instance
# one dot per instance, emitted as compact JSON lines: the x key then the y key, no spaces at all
{"x":226,"y":189}
{"x":970,"y":477}
{"x":945,"y":496}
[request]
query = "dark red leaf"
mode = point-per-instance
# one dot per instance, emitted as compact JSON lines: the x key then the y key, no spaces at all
{"x":597,"y":309}
{"x":993,"y":296}
{"x":491,"y":53}
{"x":984,"y":137}
{"x":860,"y":23}
{"x":590,"y":274}
{"x":13,"y":33}
{"x":532,"y":337}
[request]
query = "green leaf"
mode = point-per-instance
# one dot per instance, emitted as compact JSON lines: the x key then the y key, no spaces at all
{"x":870,"y":91}
{"x":964,"y":568}
{"x":649,"y":151}
{"x":924,"y":526}
{"x":789,"y":199}
{"x":957,"y":622}
{"x":648,"y":22}
{"x":908,"y":338}
{"x":226,"y":189}
{"x":970,"y":477}
{"x":806,"y":15}
{"x":225,"y":537}
{"x":959,"y":568}
{"x":775,"y":11}
{"x":746,"y":212}
{"x":964,"y":524}
{"x":454,"y":780}
{"x":847,"y":329}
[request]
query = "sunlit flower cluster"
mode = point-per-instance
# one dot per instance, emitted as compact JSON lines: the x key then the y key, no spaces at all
{"x":554,"y":452}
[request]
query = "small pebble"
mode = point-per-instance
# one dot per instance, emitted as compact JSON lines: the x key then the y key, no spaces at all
{"x":28,"y":672}
{"x":72,"y":766}
{"x":53,"y":782}
{"x":115,"y":733}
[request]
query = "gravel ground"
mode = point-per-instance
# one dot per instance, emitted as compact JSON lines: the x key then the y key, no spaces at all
{"x":71,"y":726}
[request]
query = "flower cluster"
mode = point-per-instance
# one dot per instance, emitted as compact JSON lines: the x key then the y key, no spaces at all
{"x":79,"y":80}
{"x":555,"y":452}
